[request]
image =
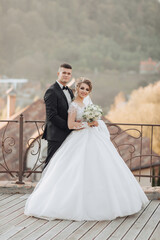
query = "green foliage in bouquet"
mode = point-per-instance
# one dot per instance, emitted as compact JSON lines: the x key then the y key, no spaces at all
{"x":92,"y":113}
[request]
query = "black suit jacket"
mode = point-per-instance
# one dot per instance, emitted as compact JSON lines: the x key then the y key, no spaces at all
{"x":56,"y":128}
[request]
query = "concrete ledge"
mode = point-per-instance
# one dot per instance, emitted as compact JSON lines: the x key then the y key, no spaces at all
{"x":153,"y":193}
{"x":9,"y":187}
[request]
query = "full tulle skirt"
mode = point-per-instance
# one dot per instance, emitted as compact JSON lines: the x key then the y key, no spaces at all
{"x":86,"y":179}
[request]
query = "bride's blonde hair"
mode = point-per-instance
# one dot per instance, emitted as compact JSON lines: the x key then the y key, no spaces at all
{"x":85,"y":80}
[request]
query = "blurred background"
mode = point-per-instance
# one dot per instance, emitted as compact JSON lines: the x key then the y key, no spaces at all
{"x":115,"y":43}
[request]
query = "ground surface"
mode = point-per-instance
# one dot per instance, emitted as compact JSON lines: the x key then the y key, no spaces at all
{"x":14,"y":225}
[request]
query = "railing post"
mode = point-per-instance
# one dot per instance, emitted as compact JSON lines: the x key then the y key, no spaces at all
{"x":20,"y":172}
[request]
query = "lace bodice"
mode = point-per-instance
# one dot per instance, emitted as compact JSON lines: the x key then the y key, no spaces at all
{"x":74,"y":107}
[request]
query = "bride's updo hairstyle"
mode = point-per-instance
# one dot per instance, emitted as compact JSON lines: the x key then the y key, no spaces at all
{"x":85,"y":80}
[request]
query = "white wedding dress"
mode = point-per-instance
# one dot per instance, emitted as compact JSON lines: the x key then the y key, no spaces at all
{"x":86,"y":179}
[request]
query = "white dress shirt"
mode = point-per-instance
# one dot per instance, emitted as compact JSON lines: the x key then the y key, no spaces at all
{"x":66,"y":92}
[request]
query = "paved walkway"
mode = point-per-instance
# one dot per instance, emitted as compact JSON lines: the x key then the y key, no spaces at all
{"x":14,"y":225}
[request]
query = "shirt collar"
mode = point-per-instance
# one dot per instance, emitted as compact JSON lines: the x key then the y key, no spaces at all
{"x":61,"y":86}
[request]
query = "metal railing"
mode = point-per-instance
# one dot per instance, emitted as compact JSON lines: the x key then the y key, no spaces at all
{"x":134,"y":142}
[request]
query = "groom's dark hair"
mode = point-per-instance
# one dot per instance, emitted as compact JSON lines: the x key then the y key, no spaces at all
{"x":65,"y":65}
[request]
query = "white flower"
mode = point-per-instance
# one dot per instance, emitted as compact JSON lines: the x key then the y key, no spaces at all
{"x":92,"y":113}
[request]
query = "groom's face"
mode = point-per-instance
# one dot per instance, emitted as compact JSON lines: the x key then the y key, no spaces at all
{"x":64,"y":75}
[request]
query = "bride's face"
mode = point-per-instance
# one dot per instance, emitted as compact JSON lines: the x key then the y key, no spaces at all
{"x":83,"y":90}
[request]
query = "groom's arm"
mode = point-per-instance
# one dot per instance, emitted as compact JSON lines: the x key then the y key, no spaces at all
{"x":51,"y":110}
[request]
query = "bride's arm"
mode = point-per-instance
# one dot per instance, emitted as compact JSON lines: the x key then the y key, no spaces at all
{"x":72,"y":124}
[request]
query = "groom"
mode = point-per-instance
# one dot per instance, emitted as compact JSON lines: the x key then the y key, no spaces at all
{"x":57,"y":99}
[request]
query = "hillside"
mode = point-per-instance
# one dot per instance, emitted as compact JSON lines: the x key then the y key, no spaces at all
{"x":36,"y":36}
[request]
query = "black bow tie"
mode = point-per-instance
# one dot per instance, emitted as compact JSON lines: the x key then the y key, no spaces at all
{"x":65,"y":88}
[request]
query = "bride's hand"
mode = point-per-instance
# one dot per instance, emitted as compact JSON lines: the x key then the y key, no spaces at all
{"x":78,"y":125}
{"x":93,"y":124}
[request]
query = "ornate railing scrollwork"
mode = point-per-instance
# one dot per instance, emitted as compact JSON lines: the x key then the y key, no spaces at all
{"x":7,"y":143}
{"x":134,"y":147}
{"x":34,"y":145}
{"x":26,"y":146}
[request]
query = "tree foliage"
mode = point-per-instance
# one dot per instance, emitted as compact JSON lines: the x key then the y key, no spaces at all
{"x":143,"y":106}
{"x":107,"y":34}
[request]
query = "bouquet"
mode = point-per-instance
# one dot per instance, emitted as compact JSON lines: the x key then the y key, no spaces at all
{"x":92,"y":113}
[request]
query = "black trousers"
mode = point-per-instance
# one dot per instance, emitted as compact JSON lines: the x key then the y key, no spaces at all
{"x":52,"y":148}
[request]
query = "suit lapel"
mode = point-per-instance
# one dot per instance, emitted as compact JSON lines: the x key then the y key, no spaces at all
{"x":71,"y":93}
{"x":61,"y":92}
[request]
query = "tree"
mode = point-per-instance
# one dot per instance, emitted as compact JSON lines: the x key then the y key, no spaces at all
{"x":143,"y":106}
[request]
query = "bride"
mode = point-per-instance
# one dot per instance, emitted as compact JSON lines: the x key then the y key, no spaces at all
{"x":86,"y":179}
